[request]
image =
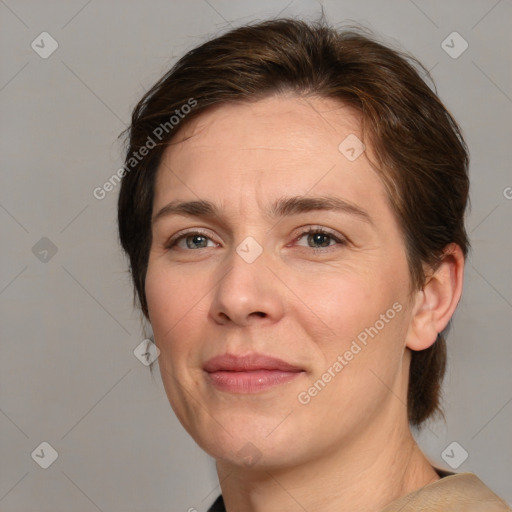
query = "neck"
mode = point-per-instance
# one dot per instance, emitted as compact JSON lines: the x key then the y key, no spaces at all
{"x":366,"y":474}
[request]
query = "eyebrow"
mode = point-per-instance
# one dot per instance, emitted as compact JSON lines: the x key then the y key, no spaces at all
{"x":281,"y":208}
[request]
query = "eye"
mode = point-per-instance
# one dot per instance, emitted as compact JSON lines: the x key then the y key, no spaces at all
{"x":318,"y":238}
{"x":191,"y":240}
{"x":315,"y":238}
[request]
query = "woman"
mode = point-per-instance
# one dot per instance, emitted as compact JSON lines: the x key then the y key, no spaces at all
{"x":293,"y":209}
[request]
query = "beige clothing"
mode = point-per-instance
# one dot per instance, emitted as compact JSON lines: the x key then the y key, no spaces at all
{"x":462,"y":492}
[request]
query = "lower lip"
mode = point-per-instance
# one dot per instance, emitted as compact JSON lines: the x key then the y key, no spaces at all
{"x":250,"y":382}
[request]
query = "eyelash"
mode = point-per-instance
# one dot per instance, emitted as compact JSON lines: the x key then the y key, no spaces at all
{"x":171,"y":244}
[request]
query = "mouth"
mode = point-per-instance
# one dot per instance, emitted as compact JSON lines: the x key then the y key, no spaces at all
{"x":249,"y":374}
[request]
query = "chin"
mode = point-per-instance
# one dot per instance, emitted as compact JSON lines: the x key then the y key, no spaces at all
{"x":255,"y":455}
{"x":251,"y":442}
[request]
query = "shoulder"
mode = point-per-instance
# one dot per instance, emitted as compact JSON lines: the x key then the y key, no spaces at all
{"x":462,"y":492}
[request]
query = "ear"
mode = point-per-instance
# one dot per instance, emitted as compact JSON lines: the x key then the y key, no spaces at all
{"x":435,"y":304}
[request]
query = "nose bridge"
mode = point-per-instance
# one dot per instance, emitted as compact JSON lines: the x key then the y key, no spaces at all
{"x":246,"y":289}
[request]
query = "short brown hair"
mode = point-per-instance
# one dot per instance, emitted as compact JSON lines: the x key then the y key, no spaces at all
{"x":421,"y":155}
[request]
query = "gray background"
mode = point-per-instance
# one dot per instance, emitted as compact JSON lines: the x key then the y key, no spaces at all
{"x":68,"y":373}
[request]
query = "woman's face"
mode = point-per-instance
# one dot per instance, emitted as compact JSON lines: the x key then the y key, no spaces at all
{"x":241,"y":277}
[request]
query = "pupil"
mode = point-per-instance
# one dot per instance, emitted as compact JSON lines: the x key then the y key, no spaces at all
{"x":321,"y":239}
{"x":196,"y":240}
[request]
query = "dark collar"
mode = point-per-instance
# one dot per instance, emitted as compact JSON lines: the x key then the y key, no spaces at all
{"x":219,"y":506}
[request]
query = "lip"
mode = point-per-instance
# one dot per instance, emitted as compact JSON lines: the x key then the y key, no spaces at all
{"x":251,"y":373}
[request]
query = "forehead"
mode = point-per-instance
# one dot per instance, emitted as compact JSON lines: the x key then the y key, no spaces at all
{"x":285,"y":107}
{"x":276,"y":123}
{"x":266,"y":148}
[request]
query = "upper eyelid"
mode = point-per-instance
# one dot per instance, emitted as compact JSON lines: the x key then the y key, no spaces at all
{"x":313,"y":229}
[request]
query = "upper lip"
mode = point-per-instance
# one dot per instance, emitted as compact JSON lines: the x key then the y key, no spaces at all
{"x":249,"y":362}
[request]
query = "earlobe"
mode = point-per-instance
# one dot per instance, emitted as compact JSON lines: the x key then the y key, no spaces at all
{"x":436,"y":303}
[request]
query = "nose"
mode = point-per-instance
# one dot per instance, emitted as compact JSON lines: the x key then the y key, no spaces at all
{"x":247,"y":293}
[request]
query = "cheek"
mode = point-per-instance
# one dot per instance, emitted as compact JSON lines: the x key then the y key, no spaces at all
{"x":361,"y":318}
{"x":173,"y":302}
{"x":346,"y":303}
{"x":360,"y":356}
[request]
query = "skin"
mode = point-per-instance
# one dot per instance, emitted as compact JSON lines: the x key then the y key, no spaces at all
{"x":349,"y":448}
